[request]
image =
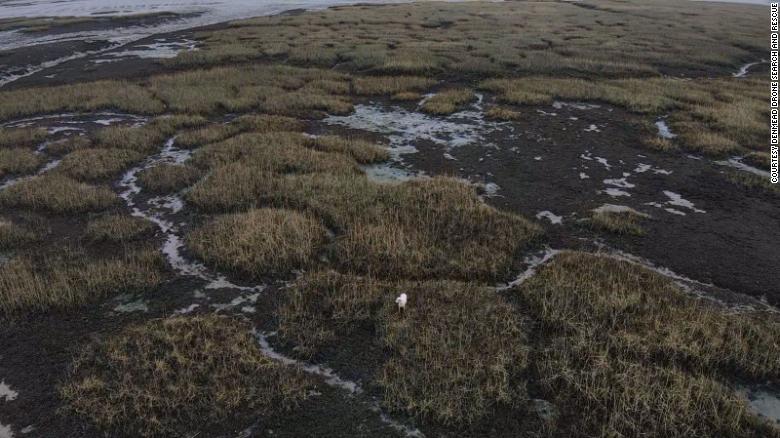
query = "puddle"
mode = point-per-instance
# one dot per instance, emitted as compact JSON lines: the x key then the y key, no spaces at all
{"x":587,"y":156}
{"x":592,"y":128}
{"x":677,"y":200}
{"x":736,"y":162}
{"x":532,"y":262}
{"x":133,"y":306}
{"x":619,"y":182}
{"x":389,"y":173}
{"x":613,"y":208}
{"x":6,"y":393}
{"x":404,"y":128}
{"x":745,"y":69}
{"x":161,"y":48}
{"x":663,"y":130}
{"x":5,"y":431}
{"x":763,"y":402}
{"x":550,"y":216}
{"x":642,"y":168}
{"x":615,"y":193}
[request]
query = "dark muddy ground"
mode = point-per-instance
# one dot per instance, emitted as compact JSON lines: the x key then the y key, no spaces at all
{"x":556,"y":164}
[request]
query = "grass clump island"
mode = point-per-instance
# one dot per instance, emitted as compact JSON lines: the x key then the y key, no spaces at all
{"x":175,"y":376}
{"x":70,"y":278}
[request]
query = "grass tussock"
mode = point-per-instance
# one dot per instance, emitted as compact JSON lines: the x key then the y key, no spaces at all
{"x":97,"y":164}
{"x":18,"y":162}
{"x":622,"y":222}
{"x":659,"y":144}
{"x":259,"y":242}
{"x":71,"y":279}
{"x":21,"y":137}
{"x":362,"y":151}
{"x":168,"y":178}
{"x":148,"y":138}
{"x":280,"y":152}
{"x":56,"y":193}
{"x":624,"y":352}
{"x":498,"y":112}
{"x":753,"y":182}
{"x":90,"y":96}
{"x":390,"y":85}
{"x":247,"y":123}
{"x":176,"y":376}
{"x":118,"y":229}
{"x":69,"y":144}
{"x":448,"y":101}
{"x":645,"y":316}
{"x":471,"y":341}
{"x":14,"y":236}
{"x":435,"y":228}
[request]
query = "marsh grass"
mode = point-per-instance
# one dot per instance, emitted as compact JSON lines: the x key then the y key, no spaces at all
{"x":119,"y":229}
{"x":623,"y":222}
{"x":471,"y":341}
{"x":647,"y":317}
{"x":69,"y":144}
{"x":258,"y":243}
{"x":259,"y":123}
{"x":753,"y":182}
{"x":14,"y":236}
{"x":97,"y":164}
{"x":91,"y":96}
{"x":279,"y":152}
{"x":436,"y":228}
{"x":148,"y":138}
{"x":168,"y":178}
{"x":362,"y":151}
{"x":448,"y":101}
{"x":18,"y":162}
{"x":56,"y":193}
{"x":70,"y":279}
{"x":21,"y":137}
{"x":176,"y":376}
{"x":498,"y":112}
{"x":622,"y":351}
{"x":390,"y":85}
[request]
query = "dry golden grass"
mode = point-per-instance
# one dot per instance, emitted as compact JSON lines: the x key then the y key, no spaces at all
{"x":275,"y":89}
{"x":59,"y":194}
{"x":14,"y":236}
{"x":176,"y":376}
{"x":697,"y":138}
{"x":70,"y":279}
{"x":260,"y":123}
{"x":623,"y":222}
{"x":362,"y":151}
{"x":280,"y":152}
{"x":406,"y":96}
{"x":622,"y":351}
{"x":118,"y":228}
{"x":91,"y":96}
{"x":18,"y":162}
{"x":21,"y":137}
{"x":69,"y":144}
{"x":148,"y":138}
{"x":753,"y":182}
{"x":259,"y":242}
{"x":167,"y":178}
{"x":390,"y":85}
{"x":659,"y":144}
{"x":97,"y":164}
{"x":448,"y":101}
{"x":454,"y":352}
{"x":435,"y":228}
{"x":762,"y":160}
{"x":497,"y":112}
{"x":600,"y":395}
{"x":645,"y":316}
